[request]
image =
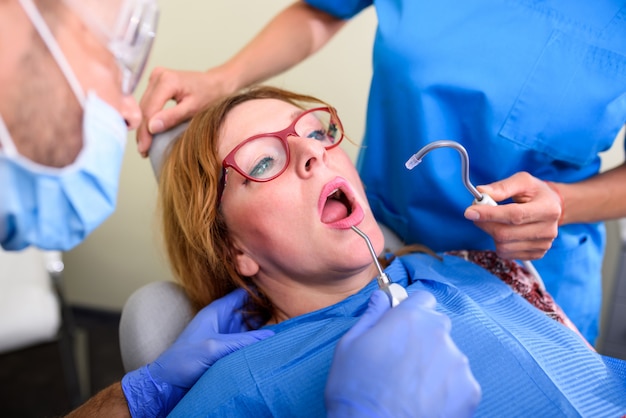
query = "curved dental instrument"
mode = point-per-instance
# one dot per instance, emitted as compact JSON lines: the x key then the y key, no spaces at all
{"x":417,"y":158}
{"x":394,"y":291}
{"x":479,"y":198}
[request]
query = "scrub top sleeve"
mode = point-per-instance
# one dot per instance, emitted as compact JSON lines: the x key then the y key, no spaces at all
{"x":345,"y":9}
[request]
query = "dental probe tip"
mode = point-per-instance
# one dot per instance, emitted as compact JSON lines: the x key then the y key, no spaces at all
{"x":372,"y":252}
{"x":412,"y":162}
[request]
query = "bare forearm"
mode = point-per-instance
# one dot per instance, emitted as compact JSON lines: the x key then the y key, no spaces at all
{"x":293,"y":35}
{"x":109,"y":402}
{"x":602,"y":197}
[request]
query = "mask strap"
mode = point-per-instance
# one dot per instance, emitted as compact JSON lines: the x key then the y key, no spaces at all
{"x":8,"y":148}
{"x":44,"y":32}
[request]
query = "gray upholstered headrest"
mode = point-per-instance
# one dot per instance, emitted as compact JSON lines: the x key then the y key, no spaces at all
{"x":161,"y":145}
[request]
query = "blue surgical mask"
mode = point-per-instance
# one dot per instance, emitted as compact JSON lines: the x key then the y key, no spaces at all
{"x":56,"y":208}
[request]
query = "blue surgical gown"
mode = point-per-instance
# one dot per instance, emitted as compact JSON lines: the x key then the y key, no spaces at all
{"x":535,"y":86}
{"x":527,"y":364}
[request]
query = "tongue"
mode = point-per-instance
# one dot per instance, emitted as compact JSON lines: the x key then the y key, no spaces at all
{"x":333,"y":211}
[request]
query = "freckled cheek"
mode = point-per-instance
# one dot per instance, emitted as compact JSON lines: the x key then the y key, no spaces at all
{"x":238,"y":219}
{"x":247,"y":221}
{"x":264,"y":208}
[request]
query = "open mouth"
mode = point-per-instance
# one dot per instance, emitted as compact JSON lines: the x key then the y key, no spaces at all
{"x":337,"y":207}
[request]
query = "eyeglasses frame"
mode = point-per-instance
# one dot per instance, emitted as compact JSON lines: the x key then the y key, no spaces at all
{"x":282,"y":135}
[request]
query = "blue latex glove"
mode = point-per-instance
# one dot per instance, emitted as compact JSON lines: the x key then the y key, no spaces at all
{"x":400,"y":363}
{"x":217,"y":330}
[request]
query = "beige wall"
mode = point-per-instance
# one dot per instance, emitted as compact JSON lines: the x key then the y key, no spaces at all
{"x":124,"y":253}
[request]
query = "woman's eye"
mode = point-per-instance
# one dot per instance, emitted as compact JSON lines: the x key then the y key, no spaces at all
{"x":318,"y":134}
{"x":332,"y":131}
{"x":261,"y":168}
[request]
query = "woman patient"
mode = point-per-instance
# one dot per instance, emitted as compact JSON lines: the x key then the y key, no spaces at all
{"x":257,"y":194}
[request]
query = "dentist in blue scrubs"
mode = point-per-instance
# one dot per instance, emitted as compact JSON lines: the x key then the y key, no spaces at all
{"x":534,"y":90}
{"x":67,"y":73}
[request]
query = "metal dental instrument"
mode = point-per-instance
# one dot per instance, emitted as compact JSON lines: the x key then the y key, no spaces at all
{"x":394,"y":291}
{"x":417,"y":158}
{"x":479,"y":198}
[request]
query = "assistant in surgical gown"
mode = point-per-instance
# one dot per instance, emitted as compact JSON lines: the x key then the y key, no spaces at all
{"x":535,"y":86}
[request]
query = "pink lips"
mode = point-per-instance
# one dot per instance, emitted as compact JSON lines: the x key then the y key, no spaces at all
{"x":338,"y":218}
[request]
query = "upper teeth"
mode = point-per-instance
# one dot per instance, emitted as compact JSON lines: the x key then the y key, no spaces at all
{"x":335,"y":194}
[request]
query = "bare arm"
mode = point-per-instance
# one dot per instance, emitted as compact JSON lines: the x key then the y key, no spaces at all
{"x":293,"y":35}
{"x":526,"y":230}
{"x":109,"y":402}
{"x":600,"y":198}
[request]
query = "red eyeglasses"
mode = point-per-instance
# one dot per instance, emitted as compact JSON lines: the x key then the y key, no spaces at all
{"x":264,"y":157}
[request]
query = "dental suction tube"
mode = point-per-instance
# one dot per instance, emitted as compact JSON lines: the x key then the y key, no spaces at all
{"x":444,"y":143}
{"x":479,"y":198}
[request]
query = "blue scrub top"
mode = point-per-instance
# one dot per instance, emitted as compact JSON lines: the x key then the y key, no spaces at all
{"x":536,"y":86}
{"x":526,"y":363}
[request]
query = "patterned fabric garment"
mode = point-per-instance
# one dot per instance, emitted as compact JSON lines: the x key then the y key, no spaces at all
{"x":521,"y":281}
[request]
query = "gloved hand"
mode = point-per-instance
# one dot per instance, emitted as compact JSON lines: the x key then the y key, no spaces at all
{"x":217,"y":330}
{"x":400,"y":363}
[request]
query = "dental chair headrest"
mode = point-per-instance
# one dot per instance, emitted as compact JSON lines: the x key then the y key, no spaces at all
{"x":161,"y":145}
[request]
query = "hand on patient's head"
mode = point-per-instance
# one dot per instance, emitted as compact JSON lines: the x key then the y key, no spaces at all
{"x":191,"y":90}
{"x":401,"y":362}
{"x":217,"y":330}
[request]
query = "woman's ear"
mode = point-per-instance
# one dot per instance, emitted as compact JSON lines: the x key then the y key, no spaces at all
{"x":245,"y":265}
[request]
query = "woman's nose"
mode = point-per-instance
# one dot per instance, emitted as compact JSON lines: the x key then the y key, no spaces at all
{"x":131,"y":112}
{"x":307,"y":154}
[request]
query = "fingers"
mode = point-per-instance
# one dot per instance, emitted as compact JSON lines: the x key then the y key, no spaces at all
{"x":543,"y":207}
{"x":171,"y":117}
{"x":524,"y":242}
{"x":419,"y":299}
{"x":378,"y":305}
{"x":171,"y":86}
{"x":163,"y":85}
{"x":419,"y":319}
{"x":533,"y":199}
{"x":234,"y":300}
{"x":191,"y":90}
{"x":233,"y":342}
{"x":149,"y":104}
{"x":221,"y":316}
{"x":520,"y":185}
{"x":537,"y":233}
{"x":228,"y":312}
{"x":184,"y":362}
{"x":410,"y":318}
{"x":463,"y":391}
{"x":224,"y":344}
{"x":524,"y":249}
{"x":451,"y":389}
{"x":526,"y":228}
